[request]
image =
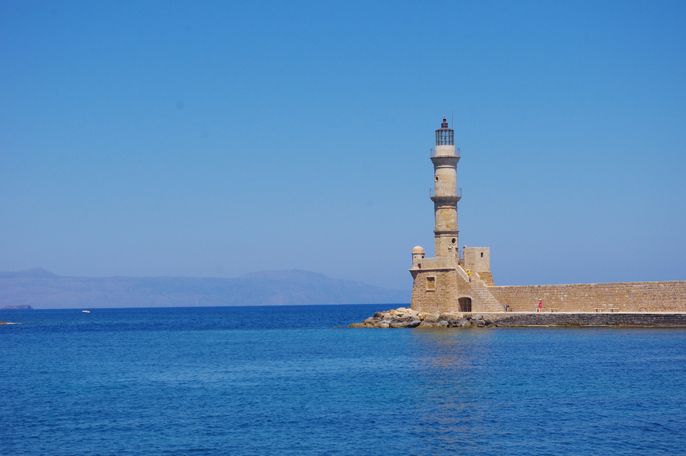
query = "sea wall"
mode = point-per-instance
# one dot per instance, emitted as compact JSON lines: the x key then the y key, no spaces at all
{"x":628,"y":319}
{"x":598,"y":297}
{"x":409,"y":318}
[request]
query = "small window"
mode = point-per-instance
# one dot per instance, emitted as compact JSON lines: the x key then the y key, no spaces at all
{"x":455,"y":240}
{"x":431,"y":284}
{"x":436,"y":178}
{"x":482,"y":254}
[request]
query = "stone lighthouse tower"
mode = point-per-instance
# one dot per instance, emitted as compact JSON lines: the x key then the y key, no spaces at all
{"x":445,"y":195}
{"x":444,"y":283}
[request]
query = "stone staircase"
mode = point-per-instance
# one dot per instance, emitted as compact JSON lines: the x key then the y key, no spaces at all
{"x":482,"y":298}
{"x":463,"y":274}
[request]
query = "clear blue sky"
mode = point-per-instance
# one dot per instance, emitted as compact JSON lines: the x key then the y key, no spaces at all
{"x":217,"y":138}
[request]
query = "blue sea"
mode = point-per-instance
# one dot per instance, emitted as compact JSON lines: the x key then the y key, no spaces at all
{"x":294,"y":380}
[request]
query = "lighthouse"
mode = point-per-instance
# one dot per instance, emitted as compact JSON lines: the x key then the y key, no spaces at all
{"x":445,"y":195}
{"x":444,"y":282}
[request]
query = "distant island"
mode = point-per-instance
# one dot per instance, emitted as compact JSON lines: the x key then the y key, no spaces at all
{"x":20,"y":307}
{"x":42,"y":289}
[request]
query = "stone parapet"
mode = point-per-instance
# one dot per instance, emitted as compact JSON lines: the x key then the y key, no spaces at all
{"x":436,"y":263}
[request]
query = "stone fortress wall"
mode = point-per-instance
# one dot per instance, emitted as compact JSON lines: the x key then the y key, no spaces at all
{"x":596,"y":297}
{"x":462,"y":290}
{"x":478,"y":259}
{"x":436,"y":292}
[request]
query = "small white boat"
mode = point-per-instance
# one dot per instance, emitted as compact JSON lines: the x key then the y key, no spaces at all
{"x":86,"y":311}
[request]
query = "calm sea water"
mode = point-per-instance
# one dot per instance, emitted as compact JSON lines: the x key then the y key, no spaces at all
{"x":294,"y":380}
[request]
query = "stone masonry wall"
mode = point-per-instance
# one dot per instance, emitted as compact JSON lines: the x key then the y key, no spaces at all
{"x":442,"y":299}
{"x":601,"y":297}
{"x":487,"y":277}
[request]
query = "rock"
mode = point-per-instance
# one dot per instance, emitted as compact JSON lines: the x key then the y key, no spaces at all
{"x":434,"y":324}
{"x":431,"y":318}
{"x":404,"y":314}
{"x":404,"y":317}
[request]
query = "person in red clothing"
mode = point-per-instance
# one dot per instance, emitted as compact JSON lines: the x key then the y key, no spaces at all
{"x":540,"y":306}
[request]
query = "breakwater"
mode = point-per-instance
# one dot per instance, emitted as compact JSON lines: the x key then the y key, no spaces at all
{"x":409,"y":318}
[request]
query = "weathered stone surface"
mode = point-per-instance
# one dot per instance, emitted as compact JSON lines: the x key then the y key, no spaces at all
{"x":408,"y":318}
{"x":428,"y":324}
{"x":428,"y":317}
{"x":647,"y":297}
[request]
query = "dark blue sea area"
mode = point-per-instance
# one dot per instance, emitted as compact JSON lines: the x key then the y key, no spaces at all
{"x":294,"y":380}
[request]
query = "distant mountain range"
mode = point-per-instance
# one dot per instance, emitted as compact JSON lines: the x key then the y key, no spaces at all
{"x":44,"y":290}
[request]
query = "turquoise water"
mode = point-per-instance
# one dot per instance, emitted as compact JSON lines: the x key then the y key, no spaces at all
{"x":294,"y":380}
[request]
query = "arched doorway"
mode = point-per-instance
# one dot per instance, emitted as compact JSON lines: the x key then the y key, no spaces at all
{"x":465,"y":304}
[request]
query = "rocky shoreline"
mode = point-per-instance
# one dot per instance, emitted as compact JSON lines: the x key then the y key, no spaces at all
{"x":407,"y":318}
{"x":403,"y":317}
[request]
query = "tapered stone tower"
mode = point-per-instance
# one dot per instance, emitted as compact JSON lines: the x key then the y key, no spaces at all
{"x":445,"y":195}
{"x":445,"y":283}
